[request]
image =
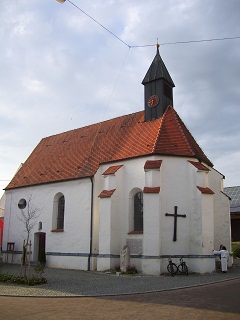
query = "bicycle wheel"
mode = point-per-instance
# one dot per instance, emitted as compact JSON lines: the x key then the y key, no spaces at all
{"x":182,"y":268}
{"x":172,"y":268}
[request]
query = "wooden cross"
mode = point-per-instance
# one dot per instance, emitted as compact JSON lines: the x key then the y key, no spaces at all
{"x":175,"y":215}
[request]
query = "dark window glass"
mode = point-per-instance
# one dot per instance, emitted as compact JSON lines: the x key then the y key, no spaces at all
{"x":138,"y":212}
{"x":22,"y":204}
{"x":60,"y":218}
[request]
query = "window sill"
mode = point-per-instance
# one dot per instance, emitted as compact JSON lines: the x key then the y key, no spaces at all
{"x":57,"y":230}
{"x":135,"y":232}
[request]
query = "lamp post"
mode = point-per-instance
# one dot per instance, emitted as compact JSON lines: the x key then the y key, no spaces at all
{"x":61,"y":1}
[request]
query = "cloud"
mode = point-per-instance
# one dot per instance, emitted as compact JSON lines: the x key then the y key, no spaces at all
{"x":60,"y":70}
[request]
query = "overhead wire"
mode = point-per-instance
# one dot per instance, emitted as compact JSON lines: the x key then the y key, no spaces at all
{"x":141,"y":46}
{"x":98,"y":23}
{"x":151,"y":45}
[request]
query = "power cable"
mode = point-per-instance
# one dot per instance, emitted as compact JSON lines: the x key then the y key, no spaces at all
{"x":99,"y":23}
{"x":152,"y":45}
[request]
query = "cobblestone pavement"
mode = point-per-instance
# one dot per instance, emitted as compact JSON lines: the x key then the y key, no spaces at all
{"x":75,"y":283}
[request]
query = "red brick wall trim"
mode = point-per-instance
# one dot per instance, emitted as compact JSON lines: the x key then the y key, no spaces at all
{"x":135,"y":232}
{"x":106,"y":193}
{"x":152,"y":164}
{"x":199,"y":165}
{"x":111,"y":170}
{"x":205,"y":190}
{"x":57,"y":230}
{"x":151,"y":190}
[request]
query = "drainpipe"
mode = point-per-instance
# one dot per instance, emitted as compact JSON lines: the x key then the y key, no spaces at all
{"x":91,"y":226}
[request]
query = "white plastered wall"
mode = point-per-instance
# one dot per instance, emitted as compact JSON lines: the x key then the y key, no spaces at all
{"x":61,"y":246}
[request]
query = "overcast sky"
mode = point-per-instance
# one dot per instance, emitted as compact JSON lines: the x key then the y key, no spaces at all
{"x":60,"y":70}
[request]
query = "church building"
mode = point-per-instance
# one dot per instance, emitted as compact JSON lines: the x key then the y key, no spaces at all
{"x":139,"y":180}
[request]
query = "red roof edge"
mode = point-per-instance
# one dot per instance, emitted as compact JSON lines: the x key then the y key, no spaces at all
{"x":205,"y":190}
{"x":151,"y":190}
{"x":106,"y":193}
{"x":112,"y":170}
{"x":199,"y":165}
{"x":152,"y":164}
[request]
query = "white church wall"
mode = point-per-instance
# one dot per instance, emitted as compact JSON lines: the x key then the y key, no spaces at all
{"x":152,"y":236}
{"x":207,"y":223}
{"x":176,"y":191}
{"x":112,"y":218}
{"x":222,"y":225}
{"x":73,"y":242}
{"x":127,"y":178}
{"x":105,"y":234}
{"x":178,"y":180}
{"x":152,"y":178}
{"x":205,"y":226}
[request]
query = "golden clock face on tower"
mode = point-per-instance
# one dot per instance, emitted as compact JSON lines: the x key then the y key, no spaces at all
{"x":153,"y":101}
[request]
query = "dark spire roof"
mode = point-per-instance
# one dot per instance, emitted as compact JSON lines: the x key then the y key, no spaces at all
{"x":158,"y":70}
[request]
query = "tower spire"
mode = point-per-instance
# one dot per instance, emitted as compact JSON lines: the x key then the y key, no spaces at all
{"x":158,"y":87}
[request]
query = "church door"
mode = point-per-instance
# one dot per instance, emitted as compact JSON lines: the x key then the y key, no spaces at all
{"x":41,"y":245}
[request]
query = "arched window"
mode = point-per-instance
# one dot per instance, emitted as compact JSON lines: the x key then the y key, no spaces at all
{"x":138,"y":211}
{"x":58,"y":212}
{"x":60,"y":217}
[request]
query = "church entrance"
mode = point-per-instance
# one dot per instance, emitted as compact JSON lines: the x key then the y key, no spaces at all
{"x":39,"y":246}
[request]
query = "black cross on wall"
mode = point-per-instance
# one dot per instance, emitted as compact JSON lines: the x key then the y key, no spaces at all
{"x":175,"y":215}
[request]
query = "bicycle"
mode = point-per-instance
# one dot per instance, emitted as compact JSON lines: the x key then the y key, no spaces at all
{"x":181,"y":268}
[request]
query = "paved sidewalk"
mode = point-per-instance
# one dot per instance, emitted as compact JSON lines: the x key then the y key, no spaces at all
{"x":75,"y":283}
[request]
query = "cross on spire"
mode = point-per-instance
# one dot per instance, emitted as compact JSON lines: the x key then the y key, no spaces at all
{"x":175,"y":215}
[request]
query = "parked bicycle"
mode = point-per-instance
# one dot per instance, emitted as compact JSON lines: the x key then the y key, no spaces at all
{"x":181,"y":268}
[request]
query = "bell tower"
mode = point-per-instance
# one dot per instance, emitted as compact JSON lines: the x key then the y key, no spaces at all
{"x":158,"y":89}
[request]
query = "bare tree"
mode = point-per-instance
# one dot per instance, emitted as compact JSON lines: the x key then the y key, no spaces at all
{"x":29,"y":215}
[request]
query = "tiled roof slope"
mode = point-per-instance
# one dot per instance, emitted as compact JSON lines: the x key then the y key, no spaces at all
{"x":77,"y":153}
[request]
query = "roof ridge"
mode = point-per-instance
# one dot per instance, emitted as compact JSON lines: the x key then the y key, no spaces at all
{"x":91,"y":125}
{"x":178,"y":119}
{"x":160,"y":128}
{"x":193,"y":145}
{"x":173,"y":135}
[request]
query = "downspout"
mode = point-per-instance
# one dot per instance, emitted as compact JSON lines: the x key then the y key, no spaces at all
{"x":91,"y":226}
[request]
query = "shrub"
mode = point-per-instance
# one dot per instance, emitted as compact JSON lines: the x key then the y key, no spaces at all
{"x":236,"y":253}
{"x":131,"y":270}
{"x":39,"y":269}
{"x":10,"y":278}
{"x":117,"y":269}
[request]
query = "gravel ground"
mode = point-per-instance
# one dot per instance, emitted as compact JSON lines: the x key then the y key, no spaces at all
{"x":75,"y":283}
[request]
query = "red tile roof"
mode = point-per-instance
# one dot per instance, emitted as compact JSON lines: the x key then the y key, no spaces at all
{"x":77,"y":153}
{"x":111,"y":170}
{"x":152,"y":164}
{"x":199,"y":166}
{"x":205,"y":190}
{"x":106,"y":193}
{"x":151,"y":190}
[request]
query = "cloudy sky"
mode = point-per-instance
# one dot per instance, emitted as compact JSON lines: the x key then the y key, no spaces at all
{"x":61,"y":70}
